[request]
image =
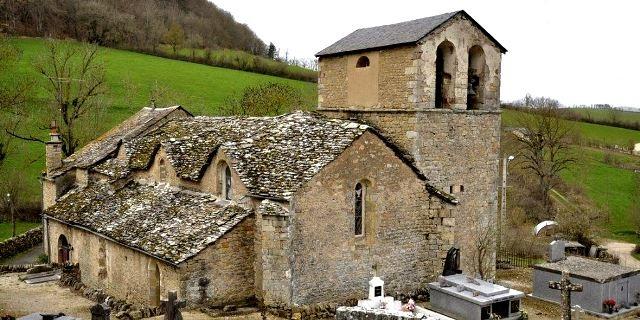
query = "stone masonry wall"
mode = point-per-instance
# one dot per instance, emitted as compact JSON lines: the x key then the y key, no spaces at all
{"x":274,"y":283}
{"x":407,"y":231}
{"x":20,"y":243}
{"x":452,"y":147}
{"x":121,"y":272}
{"x":227,"y":267}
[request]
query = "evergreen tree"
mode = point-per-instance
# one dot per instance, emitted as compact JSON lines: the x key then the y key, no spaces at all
{"x":271,"y":53}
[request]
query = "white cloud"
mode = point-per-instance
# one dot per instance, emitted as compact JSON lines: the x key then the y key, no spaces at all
{"x":579,"y":52}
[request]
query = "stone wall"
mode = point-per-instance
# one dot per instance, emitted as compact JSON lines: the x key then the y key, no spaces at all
{"x":407,"y":231}
{"x":457,"y":149}
{"x":120,"y":271}
{"x":222,"y":273}
{"x":20,"y":243}
{"x":274,"y":279}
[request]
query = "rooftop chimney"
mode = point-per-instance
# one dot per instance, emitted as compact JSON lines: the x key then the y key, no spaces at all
{"x":53,"y":149}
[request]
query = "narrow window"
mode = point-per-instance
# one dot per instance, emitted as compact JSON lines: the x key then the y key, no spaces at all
{"x":363,"y":62}
{"x":163,"y":171}
{"x":461,"y":188}
{"x":226,"y":181}
{"x":359,"y":209}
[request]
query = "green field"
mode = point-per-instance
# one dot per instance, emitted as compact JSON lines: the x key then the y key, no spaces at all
{"x":608,"y":114}
{"x":592,"y":133}
{"x":6,"y":228}
{"x":239,"y":60}
{"x":131,"y":78}
{"x":611,"y":187}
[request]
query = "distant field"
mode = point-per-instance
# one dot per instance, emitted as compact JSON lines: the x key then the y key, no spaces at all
{"x":6,"y":228}
{"x":609,"y":186}
{"x":608,"y":114}
{"x":131,"y":78}
{"x":600,"y":134}
{"x":240,"y":60}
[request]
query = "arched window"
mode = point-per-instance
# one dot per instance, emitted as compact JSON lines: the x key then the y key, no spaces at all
{"x":163,"y":170}
{"x":476,"y":78}
{"x":225,"y":181}
{"x":445,"y":71}
{"x":63,"y":250}
{"x":363,"y":62}
{"x":359,"y":209}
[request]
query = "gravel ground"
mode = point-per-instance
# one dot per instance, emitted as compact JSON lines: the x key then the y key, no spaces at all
{"x":623,"y":250}
{"x":18,"y":298}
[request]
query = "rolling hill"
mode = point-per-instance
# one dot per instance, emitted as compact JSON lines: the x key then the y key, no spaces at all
{"x":132,"y":79}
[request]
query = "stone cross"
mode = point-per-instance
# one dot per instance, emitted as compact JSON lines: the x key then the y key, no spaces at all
{"x":566,"y":287}
{"x":172,"y":306}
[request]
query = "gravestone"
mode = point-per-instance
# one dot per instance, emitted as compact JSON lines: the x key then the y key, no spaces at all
{"x":452,"y":262}
{"x":172,"y":306}
{"x":556,"y":251}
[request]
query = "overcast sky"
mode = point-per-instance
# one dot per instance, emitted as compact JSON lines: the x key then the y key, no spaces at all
{"x":579,"y":52}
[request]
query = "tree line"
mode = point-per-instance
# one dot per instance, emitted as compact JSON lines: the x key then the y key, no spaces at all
{"x":140,"y":24}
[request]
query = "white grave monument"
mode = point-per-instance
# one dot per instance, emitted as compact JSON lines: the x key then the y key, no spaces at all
{"x":377,"y":303}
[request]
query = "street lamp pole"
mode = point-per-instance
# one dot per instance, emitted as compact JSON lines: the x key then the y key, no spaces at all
{"x":13,"y":217}
{"x":502,"y":218}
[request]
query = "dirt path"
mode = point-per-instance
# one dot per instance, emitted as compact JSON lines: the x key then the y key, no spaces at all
{"x":27,"y":257}
{"x":18,"y":298}
{"x":623,"y":250}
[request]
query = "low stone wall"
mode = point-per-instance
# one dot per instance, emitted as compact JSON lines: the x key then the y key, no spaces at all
{"x":120,"y":309}
{"x":20,"y":243}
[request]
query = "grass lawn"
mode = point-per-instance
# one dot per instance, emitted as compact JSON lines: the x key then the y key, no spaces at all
{"x":6,"y":228}
{"x":609,"y":186}
{"x":600,"y":134}
{"x":131,"y":79}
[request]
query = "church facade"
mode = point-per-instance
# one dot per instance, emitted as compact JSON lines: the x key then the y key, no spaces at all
{"x":297,"y":209}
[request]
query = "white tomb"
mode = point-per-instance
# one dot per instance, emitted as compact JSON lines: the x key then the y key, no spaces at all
{"x":378,"y":303}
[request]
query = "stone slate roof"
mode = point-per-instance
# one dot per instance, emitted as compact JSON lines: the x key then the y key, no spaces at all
{"x":403,"y":33}
{"x":272,"y":155}
{"x":108,"y":143}
{"x":165,"y":222}
{"x":589,"y":269}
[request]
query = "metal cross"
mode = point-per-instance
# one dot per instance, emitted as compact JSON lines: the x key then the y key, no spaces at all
{"x":566,"y":287}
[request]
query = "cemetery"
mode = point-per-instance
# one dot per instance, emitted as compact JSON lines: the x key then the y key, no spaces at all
{"x":600,"y":288}
{"x":474,"y":299}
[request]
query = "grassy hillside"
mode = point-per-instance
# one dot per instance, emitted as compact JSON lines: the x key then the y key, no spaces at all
{"x":607,"y":177}
{"x":610,"y":183}
{"x":240,"y":60}
{"x":608,"y":114}
{"x":593,"y":134}
{"x":131,"y":78}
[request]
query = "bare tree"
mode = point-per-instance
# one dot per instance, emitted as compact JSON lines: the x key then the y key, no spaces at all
{"x":544,"y":147}
{"x":483,"y":250}
{"x":75,"y":78}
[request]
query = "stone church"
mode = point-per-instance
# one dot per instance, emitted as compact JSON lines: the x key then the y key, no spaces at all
{"x":398,"y":165}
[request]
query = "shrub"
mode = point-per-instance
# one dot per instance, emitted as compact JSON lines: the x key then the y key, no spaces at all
{"x":262,"y":100}
{"x":43,"y":258}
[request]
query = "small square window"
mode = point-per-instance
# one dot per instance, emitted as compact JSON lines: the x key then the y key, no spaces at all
{"x":377,"y":291}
